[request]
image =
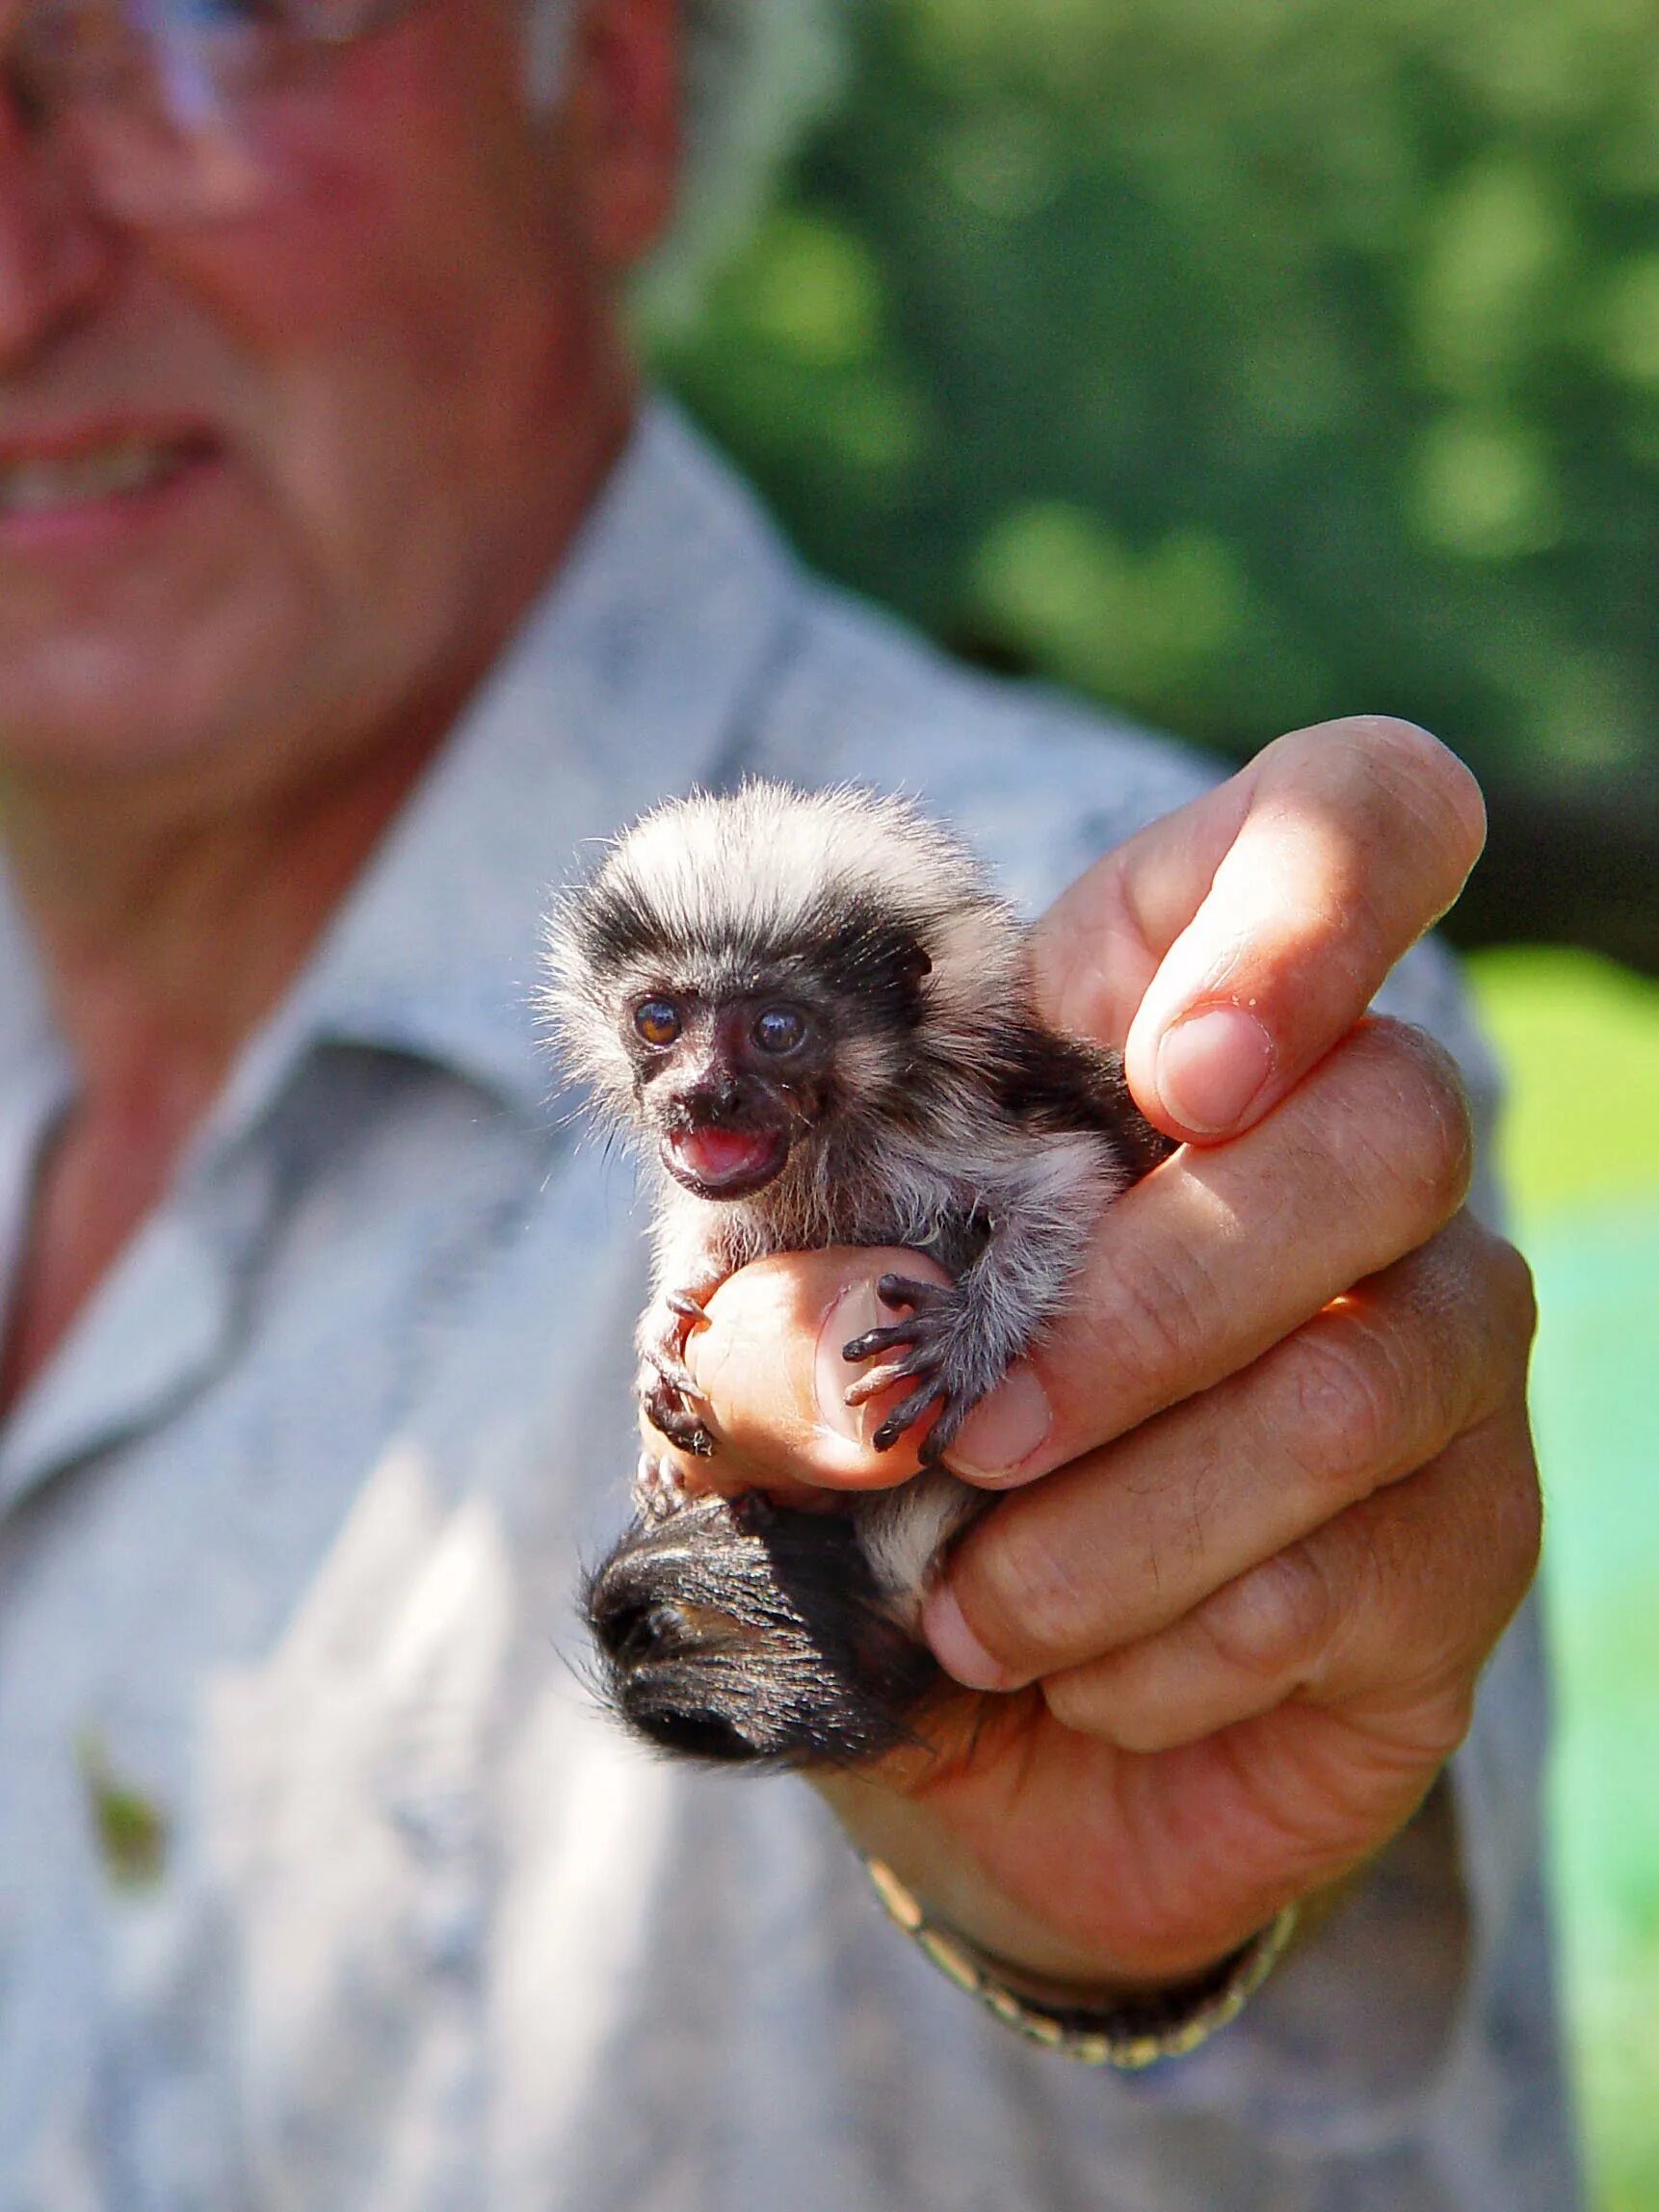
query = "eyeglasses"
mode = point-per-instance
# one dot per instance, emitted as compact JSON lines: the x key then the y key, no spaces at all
{"x":177,"y":110}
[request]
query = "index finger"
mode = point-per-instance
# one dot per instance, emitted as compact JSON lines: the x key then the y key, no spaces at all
{"x":1228,"y":947}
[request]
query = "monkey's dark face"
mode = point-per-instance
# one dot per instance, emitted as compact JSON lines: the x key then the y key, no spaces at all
{"x":729,"y":1085}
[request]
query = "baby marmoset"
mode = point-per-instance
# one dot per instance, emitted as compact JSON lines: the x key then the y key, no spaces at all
{"x":810,"y":1011}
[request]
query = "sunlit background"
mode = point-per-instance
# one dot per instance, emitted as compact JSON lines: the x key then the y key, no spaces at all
{"x":1246,"y":362}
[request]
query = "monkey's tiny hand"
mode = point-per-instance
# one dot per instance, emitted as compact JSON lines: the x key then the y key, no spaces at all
{"x":936,"y":1360}
{"x":667,"y":1394}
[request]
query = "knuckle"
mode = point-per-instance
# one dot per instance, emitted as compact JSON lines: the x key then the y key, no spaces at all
{"x":1274,"y":1622}
{"x":1377,"y":733}
{"x":1023,"y":1593}
{"x":1347,"y":1404}
{"x":1446,"y":1722}
{"x":1154,"y":1314}
{"x":1488,"y":1299}
{"x":1518,"y":1531}
{"x":1514,"y":1294}
{"x":1464,"y":1315}
{"x":1418,"y":1130}
{"x":1431,"y":1730}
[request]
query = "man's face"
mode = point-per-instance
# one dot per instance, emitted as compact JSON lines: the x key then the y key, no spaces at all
{"x":270,"y":485}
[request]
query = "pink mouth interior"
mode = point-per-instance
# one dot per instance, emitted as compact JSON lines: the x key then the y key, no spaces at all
{"x":722,"y":1155}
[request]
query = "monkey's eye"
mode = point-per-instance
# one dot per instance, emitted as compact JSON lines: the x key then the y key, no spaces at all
{"x":779,"y":1029}
{"x":657,"y":1023}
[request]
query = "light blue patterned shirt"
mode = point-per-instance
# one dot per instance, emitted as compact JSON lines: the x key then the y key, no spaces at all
{"x":322,"y":1885}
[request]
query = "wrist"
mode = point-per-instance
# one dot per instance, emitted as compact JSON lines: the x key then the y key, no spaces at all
{"x":1050,"y":1955}
{"x":1126,"y":2029}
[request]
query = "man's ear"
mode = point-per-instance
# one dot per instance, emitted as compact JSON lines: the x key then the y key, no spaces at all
{"x":621,"y":113}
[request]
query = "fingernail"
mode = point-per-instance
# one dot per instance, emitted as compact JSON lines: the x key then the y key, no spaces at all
{"x":955,"y":1647}
{"x":854,"y":1312}
{"x":1212,"y":1067}
{"x":1003,"y":1430}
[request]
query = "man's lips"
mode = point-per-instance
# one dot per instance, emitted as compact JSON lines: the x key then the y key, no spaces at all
{"x":50,"y":484}
{"x":725,"y":1163}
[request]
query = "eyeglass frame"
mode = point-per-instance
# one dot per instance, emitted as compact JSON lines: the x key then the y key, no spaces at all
{"x":163,"y":26}
{"x":165,"y":58}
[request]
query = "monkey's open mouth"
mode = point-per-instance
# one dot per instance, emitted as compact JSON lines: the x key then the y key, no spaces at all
{"x":719,"y":1163}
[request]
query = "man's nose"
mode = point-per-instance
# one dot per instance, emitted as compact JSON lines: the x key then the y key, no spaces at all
{"x":55,"y":251}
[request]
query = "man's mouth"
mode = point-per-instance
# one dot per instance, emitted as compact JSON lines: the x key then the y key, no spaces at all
{"x":718,"y":1162}
{"x":116,"y":468}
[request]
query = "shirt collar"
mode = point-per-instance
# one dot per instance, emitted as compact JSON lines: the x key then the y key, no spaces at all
{"x":633,"y":675}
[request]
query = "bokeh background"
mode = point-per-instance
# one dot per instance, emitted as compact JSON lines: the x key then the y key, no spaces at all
{"x":1246,"y":361}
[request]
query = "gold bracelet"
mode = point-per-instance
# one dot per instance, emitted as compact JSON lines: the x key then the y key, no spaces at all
{"x":1132,"y":2033}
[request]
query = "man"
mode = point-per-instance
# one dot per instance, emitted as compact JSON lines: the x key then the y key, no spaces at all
{"x":346,"y":591}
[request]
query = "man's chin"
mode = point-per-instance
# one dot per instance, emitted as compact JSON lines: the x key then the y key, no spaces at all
{"x":144,"y":715}
{"x":205,"y":688}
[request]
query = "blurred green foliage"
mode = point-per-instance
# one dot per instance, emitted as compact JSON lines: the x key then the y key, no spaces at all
{"x":1240,"y":361}
{"x":1572,"y":1028}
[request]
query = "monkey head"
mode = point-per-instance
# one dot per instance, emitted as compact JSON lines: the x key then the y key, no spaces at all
{"x":728,"y":1081}
{"x":745,"y":982}
{"x":736,"y":1065}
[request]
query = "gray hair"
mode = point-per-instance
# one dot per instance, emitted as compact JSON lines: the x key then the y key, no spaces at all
{"x":758,"y":73}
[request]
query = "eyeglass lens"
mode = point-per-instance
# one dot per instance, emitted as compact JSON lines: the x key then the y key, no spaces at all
{"x":158,"y":101}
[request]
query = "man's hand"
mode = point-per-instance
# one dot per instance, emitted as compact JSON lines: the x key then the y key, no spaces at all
{"x":1272,"y":1493}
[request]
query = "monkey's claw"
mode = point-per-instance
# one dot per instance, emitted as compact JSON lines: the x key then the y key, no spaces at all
{"x":876,"y":1340}
{"x":667,"y":1410}
{"x":878,"y":1378}
{"x":909,"y":1410}
{"x":669,"y":1398}
{"x":673,"y":1372}
{"x":898,"y":1290}
{"x":667,"y":1391}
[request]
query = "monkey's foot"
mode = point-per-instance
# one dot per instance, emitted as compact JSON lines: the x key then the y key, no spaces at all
{"x":931,"y":1329}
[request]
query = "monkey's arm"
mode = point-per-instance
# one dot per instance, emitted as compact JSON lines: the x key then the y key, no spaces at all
{"x":956,"y":1342}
